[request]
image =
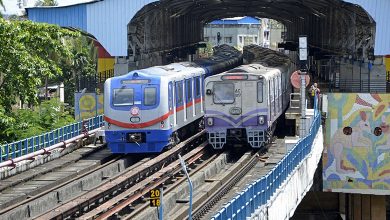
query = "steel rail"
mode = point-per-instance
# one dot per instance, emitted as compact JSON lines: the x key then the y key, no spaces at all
{"x":31,"y":198}
{"x":47,"y":150}
{"x":203,"y":207}
{"x":172,"y":186}
{"x":125,"y":199}
{"x":119,"y":182}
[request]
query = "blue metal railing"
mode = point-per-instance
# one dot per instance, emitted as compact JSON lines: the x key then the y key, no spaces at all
{"x":260,"y":191}
{"x":30,"y":145}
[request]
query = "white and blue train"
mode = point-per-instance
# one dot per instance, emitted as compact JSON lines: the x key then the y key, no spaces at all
{"x":243,"y":104}
{"x":150,"y":109}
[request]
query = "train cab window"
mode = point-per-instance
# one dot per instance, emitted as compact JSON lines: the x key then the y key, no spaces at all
{"x":179,"y":93}
{"x":123,"y":97}
{"x":260,"y":92}
{"x":223,"y":93}
{"x":197,"y":86}
{"x":189,"y":90}
{"x":150,"y":94}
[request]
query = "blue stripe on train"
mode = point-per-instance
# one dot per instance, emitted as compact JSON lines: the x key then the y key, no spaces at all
{"x":156,"y":140}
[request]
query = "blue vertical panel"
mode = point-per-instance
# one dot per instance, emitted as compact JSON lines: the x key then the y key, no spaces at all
{"x":26,"y":145}
{"x":31,"y":145}
{"x":47,"y":139}
{"x":68,"y":16}
{"x":107,"y":21}
{"x":19,"y":149}
{"x":13,"y":150}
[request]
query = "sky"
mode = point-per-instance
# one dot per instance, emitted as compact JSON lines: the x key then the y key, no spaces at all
{"x":11,"y":6}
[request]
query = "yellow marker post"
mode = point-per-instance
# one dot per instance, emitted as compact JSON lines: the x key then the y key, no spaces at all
{"x":387,"y":62}
{"x":155,"y":198}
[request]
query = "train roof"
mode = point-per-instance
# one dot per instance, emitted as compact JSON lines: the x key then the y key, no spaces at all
{"x":183,"y":69}
{"x":251,"y":69}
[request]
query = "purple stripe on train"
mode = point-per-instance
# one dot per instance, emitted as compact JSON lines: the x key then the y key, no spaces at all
{"x":235,"y":121}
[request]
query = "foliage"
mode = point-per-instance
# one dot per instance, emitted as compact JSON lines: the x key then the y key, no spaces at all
{"x":48,"y":116}
{"x":46,"y":3}
{"x":83,"y":64}
{"x":30,"y":53}
{"x":1,"y":5}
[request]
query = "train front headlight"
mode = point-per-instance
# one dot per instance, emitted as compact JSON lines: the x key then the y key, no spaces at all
{"x":261,"y":120}
{"x":210,"y":121}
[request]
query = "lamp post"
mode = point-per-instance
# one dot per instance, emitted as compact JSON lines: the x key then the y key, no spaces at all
{"x":303,"y":72}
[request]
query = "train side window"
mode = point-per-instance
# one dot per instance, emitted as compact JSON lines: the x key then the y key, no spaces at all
{"x":179,"y":93}
{"x":197,"y":86}
{"x":170,"y":95}
{"x":189,"y":90}
{"x":260,"y":92}
{"x":150,"y":96}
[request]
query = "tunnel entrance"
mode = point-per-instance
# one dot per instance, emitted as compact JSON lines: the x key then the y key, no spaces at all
{"x":166,"y":29}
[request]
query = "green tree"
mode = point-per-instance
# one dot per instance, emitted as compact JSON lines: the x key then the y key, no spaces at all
{"x":83,"y":65}
{"x":2,"y":5}
{"x":46,"y":3}
{"x":26,"y":123}
{"x":30,"y":53}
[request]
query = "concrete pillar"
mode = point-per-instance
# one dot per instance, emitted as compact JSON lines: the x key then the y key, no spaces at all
{"x":365,"y":207}
{"x":120,"y":66}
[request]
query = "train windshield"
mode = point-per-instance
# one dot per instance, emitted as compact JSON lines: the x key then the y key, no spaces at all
{"x":150,"y":96}
{"x":123,"y":97}
{"x":223,"y":93}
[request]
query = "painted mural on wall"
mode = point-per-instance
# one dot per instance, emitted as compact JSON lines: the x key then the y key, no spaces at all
{"x":356,"y":158}
{"x":85,"y":105}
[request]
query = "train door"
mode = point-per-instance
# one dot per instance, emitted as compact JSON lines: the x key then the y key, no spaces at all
{"x":179,"y":101}
{"x":274,"y":93}
{"x":197,"y":95}
{"x":248,"y":102}
{"x":188,"y":92}
{"x":170,"y":103}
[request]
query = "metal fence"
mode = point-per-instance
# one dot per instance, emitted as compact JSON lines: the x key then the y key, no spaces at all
{"x":30,"y":145}
{"x":349,"y":85}
{"x":259,"y":192}
{"x":90,"y":83}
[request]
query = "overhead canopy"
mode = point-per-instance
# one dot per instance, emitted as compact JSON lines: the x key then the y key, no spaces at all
{"x":333,"y":26}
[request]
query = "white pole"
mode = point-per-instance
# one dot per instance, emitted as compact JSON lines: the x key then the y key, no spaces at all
{"x":302,"y":130}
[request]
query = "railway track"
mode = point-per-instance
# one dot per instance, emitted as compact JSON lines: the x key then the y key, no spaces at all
{"x":88,"y":204}
{"x":28,"y":195}
{"x":212,"y":178}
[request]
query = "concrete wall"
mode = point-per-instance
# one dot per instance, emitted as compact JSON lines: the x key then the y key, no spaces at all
{"x":357,"y":161}
{"x":286,"y":199}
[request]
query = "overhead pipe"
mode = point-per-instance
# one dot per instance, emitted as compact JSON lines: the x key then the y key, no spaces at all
{"x":31,"y":156}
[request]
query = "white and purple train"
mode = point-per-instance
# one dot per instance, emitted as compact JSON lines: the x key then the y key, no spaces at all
{"x":150,"y":109}
{"x":242,"y":105}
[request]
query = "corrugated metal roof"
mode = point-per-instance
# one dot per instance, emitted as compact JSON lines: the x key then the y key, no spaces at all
{"x":237,"y":20}
{"x":74,"y":16}
{"x":107,"y":20}
{"x":379,"y":11}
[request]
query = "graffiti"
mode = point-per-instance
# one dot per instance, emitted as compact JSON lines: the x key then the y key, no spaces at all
{"x":357,"y":144}
{"x":85,"y":105}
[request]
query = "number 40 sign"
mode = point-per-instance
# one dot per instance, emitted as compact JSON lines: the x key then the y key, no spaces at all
{"x":155,"y":198}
